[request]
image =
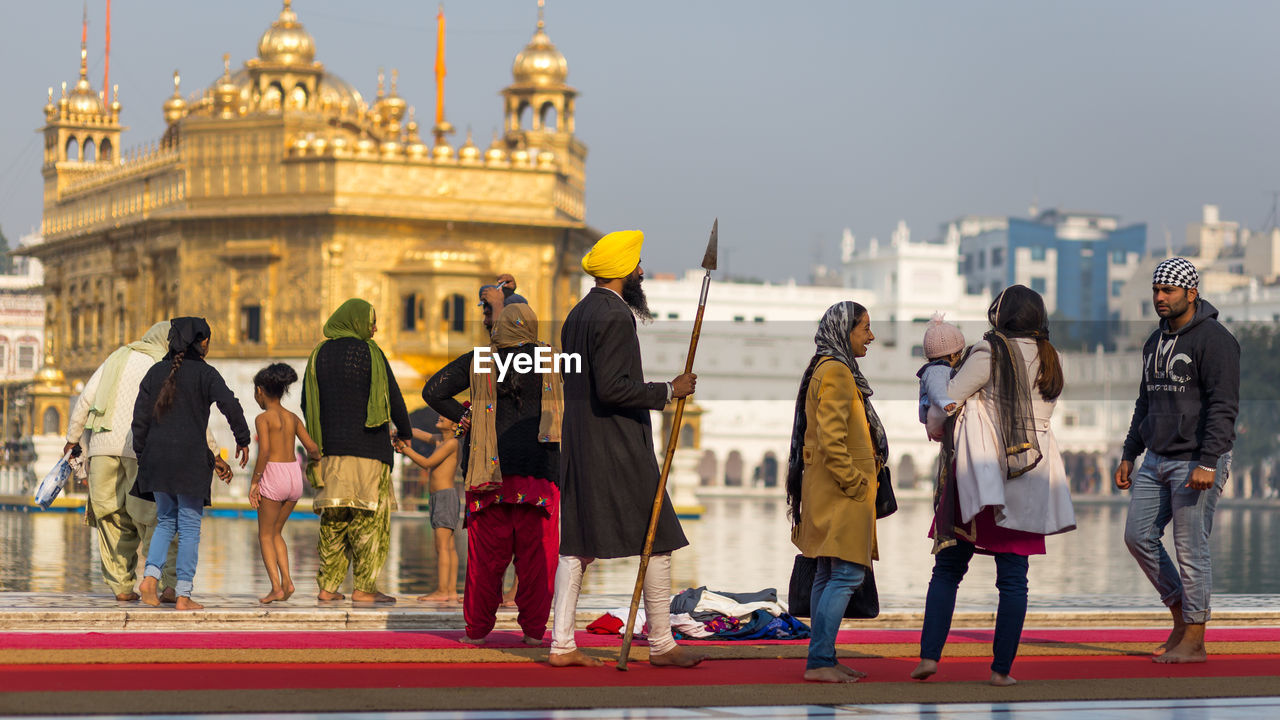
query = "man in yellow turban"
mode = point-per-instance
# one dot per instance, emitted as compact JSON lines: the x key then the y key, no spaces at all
{"x":614,"y":261}
{"x":608,"y":469}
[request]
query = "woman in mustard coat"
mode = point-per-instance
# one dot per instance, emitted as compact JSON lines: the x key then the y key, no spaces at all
{"x":838,"y":446}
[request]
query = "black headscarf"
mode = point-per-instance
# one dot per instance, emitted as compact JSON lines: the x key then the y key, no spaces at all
{"x":185,"y":333}
{"x":832,"y":341}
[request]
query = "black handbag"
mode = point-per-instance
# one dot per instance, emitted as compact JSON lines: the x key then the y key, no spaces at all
{"x":864,"y":603}
{"x":886,"y":503}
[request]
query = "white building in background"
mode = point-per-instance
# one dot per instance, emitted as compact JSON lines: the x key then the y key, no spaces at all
{"x":757,"y":339}
{"x":21,"y":318}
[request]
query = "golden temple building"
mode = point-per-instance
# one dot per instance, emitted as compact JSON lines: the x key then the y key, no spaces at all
{"x":280,"y":191}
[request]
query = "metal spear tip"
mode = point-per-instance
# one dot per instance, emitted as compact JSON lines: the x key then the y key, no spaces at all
{"x":709,"y":259}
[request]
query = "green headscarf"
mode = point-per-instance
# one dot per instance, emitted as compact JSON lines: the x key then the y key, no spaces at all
{"x":154,"y":344}
{"x":353,"y":319}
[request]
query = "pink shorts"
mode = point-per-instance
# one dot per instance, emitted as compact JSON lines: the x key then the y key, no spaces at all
{"x":281,"y":481}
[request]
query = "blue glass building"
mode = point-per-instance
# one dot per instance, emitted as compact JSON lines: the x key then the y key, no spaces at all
{"x":1079,"y":262}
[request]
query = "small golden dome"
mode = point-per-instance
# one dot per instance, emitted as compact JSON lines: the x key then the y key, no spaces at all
{"x":83,"y":100}
{"x":49,"y":376}
{"x":546,"y":159}
{"x":50,"y":109}
{"x":227,"y":91}
{"x":469,"y":153}
{"x":442,"y":151}
{"x":520,"y":157}
{"x":540,"y":63}
{"x":286,"y":42}
{"x":496,"y":154}
{"x":175,"y":108}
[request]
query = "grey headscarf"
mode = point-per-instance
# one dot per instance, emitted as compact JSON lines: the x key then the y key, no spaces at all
{"x":831,"y":340}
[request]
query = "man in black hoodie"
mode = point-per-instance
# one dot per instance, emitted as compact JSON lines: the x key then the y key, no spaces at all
{"x":1185,"y":420}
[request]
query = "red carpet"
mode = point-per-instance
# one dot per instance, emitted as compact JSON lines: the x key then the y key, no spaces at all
{"x":282,"y":676}
{"x":448,"y":639}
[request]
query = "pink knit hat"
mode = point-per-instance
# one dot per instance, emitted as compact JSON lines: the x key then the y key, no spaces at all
{"x":942,"y":338}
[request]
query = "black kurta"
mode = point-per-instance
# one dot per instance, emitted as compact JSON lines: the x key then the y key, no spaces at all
{"x":608,"y":469}
{"x":173,"y":456}
{"x":519,"y":414}
{"x":343,"y":371}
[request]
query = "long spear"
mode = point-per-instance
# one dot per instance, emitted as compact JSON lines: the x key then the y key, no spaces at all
{"x":708,"y":264}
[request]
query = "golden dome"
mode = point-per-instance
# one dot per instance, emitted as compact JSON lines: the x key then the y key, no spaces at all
{"x":175,"y":108}
{"x":390,"y":108}
{"x":469,"y":153}
{"x":50,"y":110}
{"x":496,"y":154}
{"x":540,"y":63}
{"x":49,"y":376}
{"x":286,"y":42}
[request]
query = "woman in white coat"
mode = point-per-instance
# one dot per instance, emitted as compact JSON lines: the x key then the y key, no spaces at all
{"x":1003,"y":486}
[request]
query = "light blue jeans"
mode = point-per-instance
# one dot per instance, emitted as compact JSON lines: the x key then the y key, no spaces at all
{"x":176,"y":515}
{"x":833,"y":583}
{"x":1159,"y":494}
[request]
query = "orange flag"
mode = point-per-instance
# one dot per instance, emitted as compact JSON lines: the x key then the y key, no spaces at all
{"x":440,"y":70}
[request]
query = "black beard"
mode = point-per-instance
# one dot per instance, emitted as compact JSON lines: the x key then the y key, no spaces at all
{"x":633,"y":295}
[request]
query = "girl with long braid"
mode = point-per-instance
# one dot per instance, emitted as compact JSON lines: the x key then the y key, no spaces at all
{"x":175,"y":463}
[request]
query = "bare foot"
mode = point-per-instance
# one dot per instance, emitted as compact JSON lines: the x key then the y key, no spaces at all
{"x":186,"y":603}
{"x":472,"y":641}
{"x":275,"y":594}
{"x":1184,"y":652}
{"x":437,"y":597}
{"x":147,"y":589}
{"x":127,"y":597}
{"x":1001,"y":680}
{"x":828,"y":675}
{"x":1175,"y":637}
{"x":531,"y":642}
{"x":572,"y":658}
{"x":677,"y":657}
{"x":169,"y":596}
{"x":850,"y":671}
{"x":360,"y":596}
{"x":924,"y":669}
{"x":508,"y":600}
{"x":326,"y":596}
{"x":288,"y":591}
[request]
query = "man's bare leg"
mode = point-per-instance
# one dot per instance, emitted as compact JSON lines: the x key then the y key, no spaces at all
{"x":1188,"y":650}
{"x":829,"y":675}
{"x":925,"y":669}
{"x":1175,"y":635}
{"x":575,"y":657}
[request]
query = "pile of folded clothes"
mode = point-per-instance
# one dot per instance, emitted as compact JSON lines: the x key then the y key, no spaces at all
{"x":702,"y":614}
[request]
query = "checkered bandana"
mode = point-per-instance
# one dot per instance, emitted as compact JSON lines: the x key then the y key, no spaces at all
{"x":1176,"y":272}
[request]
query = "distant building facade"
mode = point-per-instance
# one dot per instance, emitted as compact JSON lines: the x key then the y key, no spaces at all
{"x":1080,"y":262}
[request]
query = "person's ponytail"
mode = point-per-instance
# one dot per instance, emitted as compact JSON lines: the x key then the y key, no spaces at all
{"x":1049,"y":380}
{"x":164,"y":400}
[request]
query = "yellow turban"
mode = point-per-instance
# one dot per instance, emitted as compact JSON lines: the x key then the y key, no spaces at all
{"x":616,"y":255}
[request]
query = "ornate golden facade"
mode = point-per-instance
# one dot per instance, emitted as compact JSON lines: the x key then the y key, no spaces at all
{"x":279,"y":192}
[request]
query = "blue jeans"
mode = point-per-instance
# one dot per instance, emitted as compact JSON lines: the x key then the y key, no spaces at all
{"x":833,"y":583}
{"x":949,"y":567}
{"x":180,"y":515}
{"x":1159,"y":494}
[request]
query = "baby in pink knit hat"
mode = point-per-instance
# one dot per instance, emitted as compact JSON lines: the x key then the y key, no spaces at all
{"x":943,"y":347}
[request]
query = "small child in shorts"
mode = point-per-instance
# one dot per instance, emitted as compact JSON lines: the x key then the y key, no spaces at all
{"x":277,"y":477}
{"x":943,"y":347}
{"x":446,"y":508}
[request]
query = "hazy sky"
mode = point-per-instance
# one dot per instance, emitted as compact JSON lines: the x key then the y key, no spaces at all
{"x":788,"y":120}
